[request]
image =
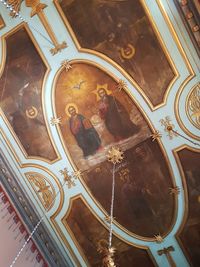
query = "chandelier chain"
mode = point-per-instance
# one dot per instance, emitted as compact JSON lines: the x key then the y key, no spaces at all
{"x":112,"y":207}
{"x":34,"y":230}
{"x":17,"y":14}
{"x":194,"y":143}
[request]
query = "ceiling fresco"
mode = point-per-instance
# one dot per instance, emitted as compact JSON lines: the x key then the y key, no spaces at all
{"x":21,"y":95}
{"x":80,"y":80}
{"x":122,"y":32}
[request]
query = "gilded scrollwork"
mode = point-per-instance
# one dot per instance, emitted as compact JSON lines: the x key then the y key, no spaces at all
{"x":193,"y":106}
{"x":167,"y":252}
{"x":156,"y":135}
{"x":16,"y":4}
{"x":66,"y":64}
{"x":159,"y":238}
{"x":43,"y":188}
{"x":37,"y":9}
{"x":168,"y":127}
{"x":69,"y":179}
{"x":2,"y":23}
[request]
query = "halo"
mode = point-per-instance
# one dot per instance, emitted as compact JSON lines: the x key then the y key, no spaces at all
{"x":70,"y":105}
{"x":103,"y":86}
{"x":32,"y":112}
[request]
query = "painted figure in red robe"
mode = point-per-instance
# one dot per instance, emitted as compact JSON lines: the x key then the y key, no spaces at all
{"x":115,"y":116}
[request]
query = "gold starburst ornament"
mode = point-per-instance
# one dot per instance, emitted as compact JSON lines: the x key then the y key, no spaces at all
{"x":115,"y":155}
{"x":66,"y":65}
{"x":122,"y":85}
{"x":77,"y":174}
{"x":158,"y":238}
{"x":174,"y":190}
{"x":108,"y":259}
{"x":156,"y":135}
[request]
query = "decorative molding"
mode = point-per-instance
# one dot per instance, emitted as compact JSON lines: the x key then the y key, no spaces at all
{"x":65,"y":64}
{"x":77,"y":174}
{"x":37,"y":9}
{"x":69,"y":179}
{"x":174,"y":190}
{"x":193,"y":106}
{"x":122,"y":85}
{"x":166,"y":252}
{"x":104,"y":223}
{"x":43,"y":189}
{"x":17,"y":227}
{"x":5,"y":119}
{"x":158,"y":238}
{"x":36,"y":6}
{"x":42,"y":236}
{"x":190,"y":15}
{"x":55,"y":121}
{"x":121,"y":69}
{"x":16,"y":5}
{"x":115,"y":155}
{"x":184,"y":226}
{"x":98,"y":169}
{"x":2,"y":23}
{"x":156,"y":135}
{"x":168,"y":127}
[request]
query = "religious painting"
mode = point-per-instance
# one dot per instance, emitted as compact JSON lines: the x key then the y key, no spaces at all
{"x":122,"y":31}
{"x":96,"y":116}
{"x":2,"y":23}
{"x":91,"y":238}
{"x":21,"y":94}
{"x":190,"y":232}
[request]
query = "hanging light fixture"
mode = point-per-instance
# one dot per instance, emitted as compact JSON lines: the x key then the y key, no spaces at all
{"x":115,"y":156}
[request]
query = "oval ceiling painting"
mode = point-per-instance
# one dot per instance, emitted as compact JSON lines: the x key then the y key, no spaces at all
{"x":96,"y":116}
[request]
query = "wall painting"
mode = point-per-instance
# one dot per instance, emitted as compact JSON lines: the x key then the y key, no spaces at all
{"x":21,"y":94}
{"x":122,"y":31}
{"x":96,"y":116}
{"x":92,"y":238}
{"x":189,"y":234}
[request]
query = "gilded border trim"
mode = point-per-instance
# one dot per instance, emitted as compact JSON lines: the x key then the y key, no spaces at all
{"x":151,"y":128}
{"x":175,"y":35}
{"x":189,"y":66}
{"x":36,"y":166}
{"x":186,"y":102}
{"x":178,"y":116}
{"x":36,"y":192}
{"x":80,"y":196}
{"x":184,"y":183}
{"x":177,"y":112}
{"x":117,"y":66}
{"x":2,"y":22}
{"x":48,"y":69}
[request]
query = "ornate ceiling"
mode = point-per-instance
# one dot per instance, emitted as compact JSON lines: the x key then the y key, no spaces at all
{"x":78,"y":78}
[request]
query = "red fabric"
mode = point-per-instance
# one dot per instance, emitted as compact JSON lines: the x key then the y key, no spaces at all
{"x":76,"y":125}
{"x":103,"y":107}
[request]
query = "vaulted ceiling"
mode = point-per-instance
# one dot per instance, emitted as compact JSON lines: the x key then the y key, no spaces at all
{"x":99,"y":133}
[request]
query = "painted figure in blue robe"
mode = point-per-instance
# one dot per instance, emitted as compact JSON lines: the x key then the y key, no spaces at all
{"x":85,"y":134}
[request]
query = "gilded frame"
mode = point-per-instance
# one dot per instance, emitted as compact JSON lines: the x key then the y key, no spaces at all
{"x":15,"y":29}
{"x":80,"y":196}
{"x":178,"y":116}
{"x":2,"y":23}
{"x":183,"y":180}
{"x":113,"y":63}
{"x":151,"y":128}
